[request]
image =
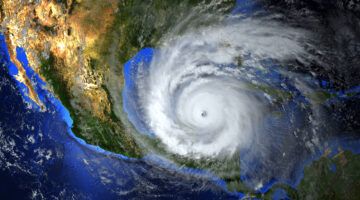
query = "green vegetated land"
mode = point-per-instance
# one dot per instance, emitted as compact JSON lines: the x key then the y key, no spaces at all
{"x":336,"y":177}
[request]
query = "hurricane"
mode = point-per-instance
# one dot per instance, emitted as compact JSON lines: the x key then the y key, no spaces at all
{"x":228,"y":90}
{"x":196,"y":96}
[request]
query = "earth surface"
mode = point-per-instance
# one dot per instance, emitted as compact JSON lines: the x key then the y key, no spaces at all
{"x":127,"y":99}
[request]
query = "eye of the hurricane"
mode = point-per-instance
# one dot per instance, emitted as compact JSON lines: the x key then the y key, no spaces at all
{"x":204,"y":113}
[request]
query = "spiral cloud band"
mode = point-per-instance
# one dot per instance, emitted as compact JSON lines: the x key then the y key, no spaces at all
{"x":195,"y":95}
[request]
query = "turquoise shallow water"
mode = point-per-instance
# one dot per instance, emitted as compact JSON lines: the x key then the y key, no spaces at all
{"x":47,"y":159}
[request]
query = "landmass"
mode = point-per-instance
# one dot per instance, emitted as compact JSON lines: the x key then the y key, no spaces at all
{"x":78,"y":45}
